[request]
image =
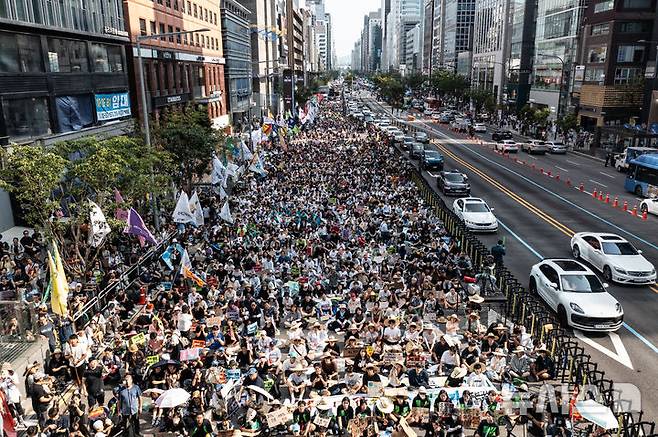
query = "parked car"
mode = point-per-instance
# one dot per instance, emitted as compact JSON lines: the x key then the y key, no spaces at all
{"x":507,"y":146}
{"x":453,"y":182}
{"x":501,"y":135}
{"x":431,"y":159}
{"x":577,"y":295}
{"x":480,"y":127}
{"x":422,"y":137}
{"x":556,"y":147}
{"x":614,"y":256}
{"x":407,"y":142}
{"x":534,"y":146}
{"x":417,"y":150}
{"x":476,"y":214}
{"x":650,"y":206}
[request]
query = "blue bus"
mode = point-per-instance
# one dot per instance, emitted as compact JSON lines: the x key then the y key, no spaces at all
{"x":642,"y":176}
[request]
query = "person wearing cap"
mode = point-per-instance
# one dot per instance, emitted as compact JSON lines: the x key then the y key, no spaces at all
{"x":477,"y":378}
{"x":382,"y":412}
{"x":401,"y":407}
{"x":420,"y":401}
{"x":353,"y":380}
{"x":519,"y":364}
{"x":57,"y":366}
{"x":340,"y":320}
{"x":418,"y":376}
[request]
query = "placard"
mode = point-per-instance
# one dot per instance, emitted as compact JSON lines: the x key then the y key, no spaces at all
{"x":413,"y":360}
{"x":112,"y":106}
{"x":340,"y":365}
{"x":152,"y":359}
{"x":138,"y":339}
{"x":322,"y":421}
{"x":420,"y":415}
{"x":213,"y":321}
{"x":375,"y":389}
{"x":392,"y":357}
{"x":357,"y":426}
{"x":233,"y":374}
{"x":189,"y":354}
{"x":278,"y":417}
{"x":233,"y":314}
{"x":198,"y":343}
{"x":351,"y":352}
{"x":252,"y":328}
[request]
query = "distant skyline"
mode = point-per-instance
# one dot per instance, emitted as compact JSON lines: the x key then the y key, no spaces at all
{"x":347,"y":22}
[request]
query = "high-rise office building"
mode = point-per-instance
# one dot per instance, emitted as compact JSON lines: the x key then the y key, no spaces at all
{"x":458,"y":18}
{"x":521,"y":55}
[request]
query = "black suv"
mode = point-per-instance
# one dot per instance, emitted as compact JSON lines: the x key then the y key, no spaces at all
{"x":453,"y":182}
{"x":500,"y":135}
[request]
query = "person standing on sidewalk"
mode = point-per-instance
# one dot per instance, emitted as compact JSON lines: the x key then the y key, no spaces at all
{"x":608,"y":158}
{"x":498,"y":252}
{"x":130,"y":407}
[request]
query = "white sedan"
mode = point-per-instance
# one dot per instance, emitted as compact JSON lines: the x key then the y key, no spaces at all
{"x":649,"y":206}
{"x":476,"y":214}
{"x":614,"y":256}
{"x":507,"y":146}
{"x":576,"y":294}
{"x":480,"y":127}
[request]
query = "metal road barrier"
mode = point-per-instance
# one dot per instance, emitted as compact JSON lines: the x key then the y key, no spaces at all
{"x":574,"y":367}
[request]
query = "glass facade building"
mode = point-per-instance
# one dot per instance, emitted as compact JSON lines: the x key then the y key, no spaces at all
{"x":459,"y":16}
{"x":521,"y":53}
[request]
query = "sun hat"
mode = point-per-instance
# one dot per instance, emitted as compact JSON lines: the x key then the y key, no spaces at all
{"x":519,"y":349}
{"x":384,"y":405}
{"x":323,"y":405}
{"x":458,"y":372}
{"x":499,"y":353}
{"x":476,"y":298}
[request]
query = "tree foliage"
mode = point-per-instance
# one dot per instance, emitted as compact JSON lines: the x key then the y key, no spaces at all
{"x":449,"y":84}
{"x":567,"y":122}
{"x":54,"y":186}
{"x":414,"y":81}
{"x":391,"y":88}
{"x":483,"y":100}
{"x":189,"y":137}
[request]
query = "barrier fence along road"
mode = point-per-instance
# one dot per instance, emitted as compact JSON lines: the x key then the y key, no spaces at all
{"x":573,"y":365}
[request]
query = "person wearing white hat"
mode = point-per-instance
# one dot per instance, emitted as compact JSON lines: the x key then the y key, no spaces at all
{"x":497,"y":365}
{"x":519,"y":364}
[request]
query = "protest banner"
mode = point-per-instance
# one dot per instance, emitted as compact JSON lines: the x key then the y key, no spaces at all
{"x":152,"y":359}
{"x":213,"y":321}
{"x":351,"y":352}
{"x":252,"y":328}
{"x":233,"y":374}
{"x":392,"y":357}
{"x":278,"y":417}
{"x":416,"y":359}
{"x":198,"y":343}
{"x":420,"y":415}
{"x":233,"y":314}
{"x":189,"y":354}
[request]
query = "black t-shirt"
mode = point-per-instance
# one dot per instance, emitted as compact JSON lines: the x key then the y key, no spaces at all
{"x":533,"y":429}
{"x":94,"y":380}
{"x":346,"y":414}
{"x":487,"y":429}
{"x":37,"y":393}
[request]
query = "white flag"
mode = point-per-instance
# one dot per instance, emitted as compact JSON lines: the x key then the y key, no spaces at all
{"x":196,"y":209}
{"x":258,"y":167}
{"x":225,"y":213}
{"x":99,"y":227}
{"x":232,"y":169}
{"x":246,"y":153}
{"x":222,"y":193}
{"x":256,"y":137}
{"x":182,"y":213}
{"x":218,"y":170}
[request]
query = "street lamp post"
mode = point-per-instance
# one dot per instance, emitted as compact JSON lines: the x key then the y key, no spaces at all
{"x":559,"y":95}
{"x":145,"y":115}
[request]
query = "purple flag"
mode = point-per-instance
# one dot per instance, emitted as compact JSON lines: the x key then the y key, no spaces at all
{"x":119,"y":213}
{"x":135,"y":225}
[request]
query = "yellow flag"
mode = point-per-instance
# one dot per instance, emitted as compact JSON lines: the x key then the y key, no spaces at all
{"x":59,"y":284}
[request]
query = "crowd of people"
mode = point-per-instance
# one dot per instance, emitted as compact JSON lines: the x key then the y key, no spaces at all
{"x":333,"y":304}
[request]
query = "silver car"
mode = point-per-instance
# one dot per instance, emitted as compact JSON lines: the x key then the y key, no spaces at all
{"x":556,"y":147}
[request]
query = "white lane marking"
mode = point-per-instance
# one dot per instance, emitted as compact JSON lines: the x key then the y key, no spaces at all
{"x":563,"y":169}
{"x":432,"y":174}
{"x":530,"y":156}
{"x":607,"y":175}
{"x":598,"y":183}
{"x":574,"y":163}
{"x":620,"y":354}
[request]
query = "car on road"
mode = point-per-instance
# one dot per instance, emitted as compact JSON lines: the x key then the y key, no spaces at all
{"x":436,"y":116}
{"x":534,"y":146}
{"x":398,"y":136}
{"x":422,"y":137}
{"x":417,"y":150}
{"x":368,"y":119}
{"x":480,"y":127}
{"x":507,"y":146}
{"x":501,"y":135}
{"x":453,"y":182}
{"x":407,"y":142}
{"x":431,"y":159}
{"x":476,"y":214}
{"x":614,"y":256}
{"x":650,"y":206}
{"x":428,"y":112}
{"x":556,"y":147}
{"x":577,"y":295}
{"x":446,"y":118}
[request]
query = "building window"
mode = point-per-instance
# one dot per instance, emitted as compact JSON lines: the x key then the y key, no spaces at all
{"x":168,"y":3}
{"x":67,"y":56}
{"x":25,"y":118}
{"x":558,"y":25}
{"x":630,"y":53}
{"x":106,"y":58}
{"x":196,"y":37}
{"x":604,"y":6}
{"x":637,"y":4}
{"x":600,"y":29}
{"x":142,"y":26}
{"x":594,"y":74}
{"x":195,"y":11}
{"x":20,"y":53}
{"x":170,"y":29}
{"x":162,"y":30}
{"x":205,"y":13}
{"x":635,"y":27}
{"x":73,"y":112}
{"x":154,"y":28}
{"x":597,"y":54}
{"x":189,"y":8}
{"x":185,"y":38}
{"x":178,"y":37}
{"x":624,"y":75}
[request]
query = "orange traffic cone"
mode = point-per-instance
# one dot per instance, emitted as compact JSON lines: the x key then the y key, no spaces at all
{"x":615,"y":203}
{"x":644,"y":215}
{"x":607,"y":198}
{"x":594,"y":193}
{"x":634,"y":210}
{"x":625,"y":205}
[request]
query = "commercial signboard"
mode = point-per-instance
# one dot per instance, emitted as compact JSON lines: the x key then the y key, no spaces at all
{"x":112,"y":106}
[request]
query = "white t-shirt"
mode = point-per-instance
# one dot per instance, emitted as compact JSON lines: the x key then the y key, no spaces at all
{"x":185,"y":322}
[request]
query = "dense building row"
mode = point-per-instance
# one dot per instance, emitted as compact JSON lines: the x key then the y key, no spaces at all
{"x":595,"y":59}
{"x":70,"y":68}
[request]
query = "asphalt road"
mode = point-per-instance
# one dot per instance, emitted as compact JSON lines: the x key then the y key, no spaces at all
{"x":539,"y":214}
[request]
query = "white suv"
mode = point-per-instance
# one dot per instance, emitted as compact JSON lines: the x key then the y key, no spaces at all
{"x":576,"y":294}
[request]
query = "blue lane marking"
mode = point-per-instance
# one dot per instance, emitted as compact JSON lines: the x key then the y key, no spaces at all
{"x":538,"y":255}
